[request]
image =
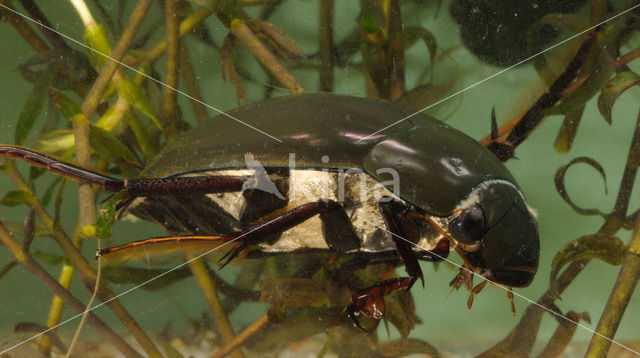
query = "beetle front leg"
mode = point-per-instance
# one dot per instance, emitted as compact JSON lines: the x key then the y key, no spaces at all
{"x":370,"y":301}
{"x":402,"y":234}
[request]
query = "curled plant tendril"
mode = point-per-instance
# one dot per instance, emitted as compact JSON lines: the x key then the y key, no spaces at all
{"x":560,"y":185}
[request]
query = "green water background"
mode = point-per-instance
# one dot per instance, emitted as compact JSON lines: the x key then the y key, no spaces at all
{"x":446,"y":320}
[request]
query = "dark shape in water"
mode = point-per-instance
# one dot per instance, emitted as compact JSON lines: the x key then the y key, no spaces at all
{"x":496,"y":30}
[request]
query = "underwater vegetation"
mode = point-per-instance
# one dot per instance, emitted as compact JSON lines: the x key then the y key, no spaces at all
{"x":208,"y":178}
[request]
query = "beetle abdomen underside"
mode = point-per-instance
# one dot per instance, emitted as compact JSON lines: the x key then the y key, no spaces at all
{"x":279,"y":190}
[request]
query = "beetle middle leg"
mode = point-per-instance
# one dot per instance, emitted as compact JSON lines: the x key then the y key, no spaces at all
{"x":404,"y":232}
{"x":337,"y":229}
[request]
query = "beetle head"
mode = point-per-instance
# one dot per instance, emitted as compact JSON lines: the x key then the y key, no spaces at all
{"x":498,"y":233}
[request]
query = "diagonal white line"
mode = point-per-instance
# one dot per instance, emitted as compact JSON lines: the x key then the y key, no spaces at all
{"x":268,"y":222}
{"x":498,"y":73}
{"x":139,"y":72}
{"x":504,"y":288}
{"x":136,"y":287}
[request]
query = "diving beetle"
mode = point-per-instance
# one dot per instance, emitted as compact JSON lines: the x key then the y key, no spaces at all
{"x":325,"y":187}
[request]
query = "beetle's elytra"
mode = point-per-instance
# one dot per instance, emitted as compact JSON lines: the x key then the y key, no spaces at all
{"x":417,"y":190}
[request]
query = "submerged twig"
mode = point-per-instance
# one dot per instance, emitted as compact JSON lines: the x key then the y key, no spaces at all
{"x":326,"y":45}
{"x":201,"y":274}
{"x":87,"y":273}
{"x":28,"y":263}
{"x":36,"y":14}
{"x":94,"y":96}
{"x":396,"y":51}
{"x":192,"y":84}
{"x":87,"y":309}
{"x":242,"y":337}
{"x":249,"y":39}
{"x":186,"y":26}
{"x":630,"y":271}
{"x":169,"y":111}
{"x":20,"y":25}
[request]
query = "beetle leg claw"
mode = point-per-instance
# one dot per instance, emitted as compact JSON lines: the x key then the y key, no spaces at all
{"x":354,"y":314}
{"x":370,"y":301}
{"x":240,"y":249}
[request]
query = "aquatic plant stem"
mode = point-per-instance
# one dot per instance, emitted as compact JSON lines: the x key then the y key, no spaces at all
{"x":396,"y":50}
{"x":34,"y":11}
{"x":616,"y":220}
{"x":598,"y":10}
{"x":169,"y":112}
{"x":240,"y":29}
{"x":76,"y":335}
{"x":242,"y":337}
{"x":57,"y":305}
{"x":25,"y":260}
{"x":201,"y":274}
{"x":508,"y":126}
{"x":20,"y":25}
{"x":192,"y":84}
{"x":83,"y":149}
{"x":186,"y":26}
{"x":87,"y":274}
{"x":83,"y":11}
{"x":630,"y":270}
{"x":326,"y":45}
{"x":94,"y":96}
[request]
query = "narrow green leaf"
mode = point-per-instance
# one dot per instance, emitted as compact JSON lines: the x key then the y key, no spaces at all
{"x":142,"y":136}
{"x":368,"y":23}
{"x":538,"y":37}
{"x":96,"y":38}
{"x":65,"y":105}
{"x":607,"y":248}
{"x":46,"y":197}
{"x":613,"y":89}
{"x":153,"y":279}
{"x":170,"y":351}
{"x":17,"y":228}
{"x":560,"y":185}
{"x":7,"y":268}
{"x":15,"y":198}
{"x":135,"y":96}
{"x":57,"y":204}
{"x":293,"y":292}
{"x":401,"y":312}
{"x":51,"y":259}
{"x":32,"y":107}
{"x":107,"y":216}
{"x":109,"y":147}
{"x":413,"y":33}
{"x":407,"y":347}
{"x":31,"y":328}
{"x":568,"y":131}
{"x":421,"y":96}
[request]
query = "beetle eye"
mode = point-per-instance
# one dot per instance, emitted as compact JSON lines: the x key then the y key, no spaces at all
{"x":468,"y":227}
